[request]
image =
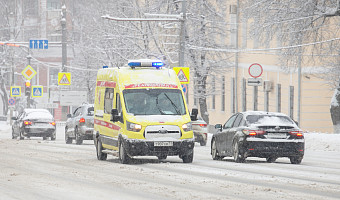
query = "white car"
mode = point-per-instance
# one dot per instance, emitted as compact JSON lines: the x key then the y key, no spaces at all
{"x":200,"y":129}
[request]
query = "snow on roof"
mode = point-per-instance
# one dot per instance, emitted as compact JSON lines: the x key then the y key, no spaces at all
{"x":38,"y":114}
{"x":126,"y":75}
{"x":251,"y":112}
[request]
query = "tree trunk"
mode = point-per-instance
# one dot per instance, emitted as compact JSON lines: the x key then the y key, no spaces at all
{"x":4,"y":97}
{"x":335,"y":110}
{"x":204,"y":109}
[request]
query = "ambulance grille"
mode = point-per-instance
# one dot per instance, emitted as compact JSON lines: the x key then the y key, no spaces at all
{"x":162,"y":132}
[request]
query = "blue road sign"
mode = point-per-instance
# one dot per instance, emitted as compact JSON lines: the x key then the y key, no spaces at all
{"x":185,"y":88}
{"x":38,"y":44}
{"x":15,"y":91}
{"x":37,"y":91}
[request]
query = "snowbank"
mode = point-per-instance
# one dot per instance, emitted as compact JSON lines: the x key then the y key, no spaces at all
{"x":322,"y":142}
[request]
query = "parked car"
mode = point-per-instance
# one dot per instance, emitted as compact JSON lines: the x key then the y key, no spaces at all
{"x":200,"y":131}
{"x":261,"y":134}
{"x":79,"y":125}
{"x":34,"y":123}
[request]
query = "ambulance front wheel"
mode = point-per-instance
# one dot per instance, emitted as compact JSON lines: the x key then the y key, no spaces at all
{"x":99,"y":148}
{"x":124,"y":158}
{"x":188,"y":158}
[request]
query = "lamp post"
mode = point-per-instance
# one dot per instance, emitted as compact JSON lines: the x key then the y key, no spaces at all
{"x":63,"y":38}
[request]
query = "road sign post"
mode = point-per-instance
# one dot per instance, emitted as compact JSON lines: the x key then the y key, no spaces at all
{"x":255,"y":70}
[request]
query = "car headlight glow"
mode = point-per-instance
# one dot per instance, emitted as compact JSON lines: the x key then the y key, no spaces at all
{"x":133,"y":127}
{"x":187,"y":127}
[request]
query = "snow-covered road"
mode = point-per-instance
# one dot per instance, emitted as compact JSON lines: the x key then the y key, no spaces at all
{"x":37,"y":169}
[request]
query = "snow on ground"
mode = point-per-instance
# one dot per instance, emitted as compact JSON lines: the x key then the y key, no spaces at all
{"x":37,"y":169}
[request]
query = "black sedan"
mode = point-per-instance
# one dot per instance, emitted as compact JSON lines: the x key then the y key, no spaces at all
{"x":34,"y":123}
{"x":261,"y":134}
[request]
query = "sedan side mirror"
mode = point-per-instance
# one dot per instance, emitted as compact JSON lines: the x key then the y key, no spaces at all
{"x":69,"y":115}
{"x":218,"y":127}
{"x":194,"y":113}
{"x":14,"y":118}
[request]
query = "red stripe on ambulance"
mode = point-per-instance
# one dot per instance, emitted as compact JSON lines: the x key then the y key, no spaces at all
{"x":106,"y":84}
{"x":108,"y":125}
{"x":152,"y":85}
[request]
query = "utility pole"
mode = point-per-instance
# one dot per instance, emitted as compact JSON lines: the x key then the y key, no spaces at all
{"x":29,"y":57}
{"x":182,"y":35}
{"x":63,"y":39}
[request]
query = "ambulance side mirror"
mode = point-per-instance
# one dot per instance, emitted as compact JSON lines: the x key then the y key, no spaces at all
{"x":194,"y":113}
{"x":115,"y":117}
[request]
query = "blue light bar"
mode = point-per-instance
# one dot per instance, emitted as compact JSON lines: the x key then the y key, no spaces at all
{"x":104,"y":67}
{"x":157,"y":64}
{"x":145,"y":63}
{"x":134,"y":64}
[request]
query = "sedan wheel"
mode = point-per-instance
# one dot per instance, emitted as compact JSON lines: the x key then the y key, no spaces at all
{"x":162,"y":157}
{"x":214,"y":151}
{"x":21,"y":135}
{"x":296,"y":159}
{"x":13,"y":135}
{"x":203,"y":142}
{"x":237,"y":156}
{"x":67,"y":139}
{"x":79,"y":139}
{"x":53,"y":137}
{"x":271,"y":159}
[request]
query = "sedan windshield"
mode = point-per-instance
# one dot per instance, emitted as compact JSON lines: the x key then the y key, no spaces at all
{"x":268,"y":119}
{"x":154,"y":102}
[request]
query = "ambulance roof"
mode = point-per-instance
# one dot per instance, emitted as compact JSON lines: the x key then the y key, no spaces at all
{"x":125,"y":76}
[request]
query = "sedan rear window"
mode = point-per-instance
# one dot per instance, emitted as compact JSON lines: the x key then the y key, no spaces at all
{"x":268,"y":119}
{"x":90,"y":111}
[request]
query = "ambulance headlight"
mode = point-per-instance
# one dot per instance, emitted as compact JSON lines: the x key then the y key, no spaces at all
{"x":187,"y":127}
{"x":133,"y":127}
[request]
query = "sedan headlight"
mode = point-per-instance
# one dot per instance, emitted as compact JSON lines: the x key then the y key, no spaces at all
{"x":133,"y":127}
{"x":187,"y":127}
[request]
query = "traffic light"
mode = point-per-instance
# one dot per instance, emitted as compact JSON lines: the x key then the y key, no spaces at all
{"x":28,"y":88}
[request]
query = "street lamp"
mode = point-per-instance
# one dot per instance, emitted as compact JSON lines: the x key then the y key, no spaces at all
{"x":63,"y":38}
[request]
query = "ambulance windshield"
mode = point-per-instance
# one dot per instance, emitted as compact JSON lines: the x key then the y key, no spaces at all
{"x":154,"y":102}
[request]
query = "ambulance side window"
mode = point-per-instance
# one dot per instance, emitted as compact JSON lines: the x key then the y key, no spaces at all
{"x":108,"y":100}
{"x":119,"y":107}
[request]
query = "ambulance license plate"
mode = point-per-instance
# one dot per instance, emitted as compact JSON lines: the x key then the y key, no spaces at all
{"x":163,"y":144}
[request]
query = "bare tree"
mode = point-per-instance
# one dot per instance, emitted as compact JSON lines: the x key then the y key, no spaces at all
{"x":206,"y":28}
{"x":308,"y":32}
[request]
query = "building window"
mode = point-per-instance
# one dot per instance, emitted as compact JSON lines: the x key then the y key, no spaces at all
{"x":53,"y":4}
{"x":213,"y":93}
{"x":223,"y":94}
{"x":31,"y":7}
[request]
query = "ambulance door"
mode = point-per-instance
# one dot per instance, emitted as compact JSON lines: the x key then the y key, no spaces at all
{"x":119,"y":124}
{"x":107,"y":124}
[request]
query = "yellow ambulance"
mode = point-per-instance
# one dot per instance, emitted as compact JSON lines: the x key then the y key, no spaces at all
{"x":140,"y":110}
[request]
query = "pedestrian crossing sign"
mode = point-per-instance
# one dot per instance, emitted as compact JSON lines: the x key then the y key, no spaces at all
{"x":183,"y":74}
{"x":64,"y":78}
{"x":15,"y":91}
{"x":37,"y":91}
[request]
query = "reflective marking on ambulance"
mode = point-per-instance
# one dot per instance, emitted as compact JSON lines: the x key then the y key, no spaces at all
{"x":106,"y":84}
{"x":152,"y":85}
{"x":108,"y":125}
